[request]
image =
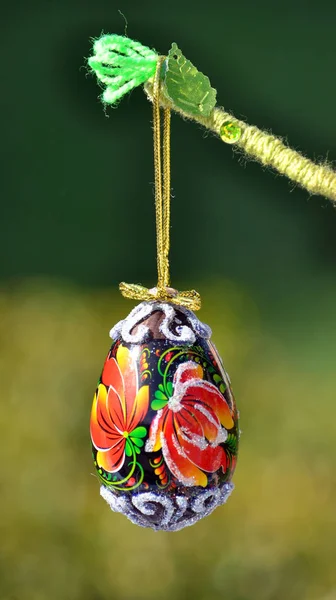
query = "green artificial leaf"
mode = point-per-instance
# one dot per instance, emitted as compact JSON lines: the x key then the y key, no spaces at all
{"x":187,"y":87}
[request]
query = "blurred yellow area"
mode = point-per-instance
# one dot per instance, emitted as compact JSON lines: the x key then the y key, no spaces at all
{"x":275,"y":538}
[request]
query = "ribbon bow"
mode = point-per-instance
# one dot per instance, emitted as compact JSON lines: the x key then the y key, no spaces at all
{"x":189,"y":299}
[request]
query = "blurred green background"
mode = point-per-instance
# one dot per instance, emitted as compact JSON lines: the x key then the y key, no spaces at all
{"x":78,"y":217}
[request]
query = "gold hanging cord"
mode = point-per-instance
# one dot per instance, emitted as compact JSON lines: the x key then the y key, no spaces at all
{"x":162,"y":184}
{"x":189,"y":299}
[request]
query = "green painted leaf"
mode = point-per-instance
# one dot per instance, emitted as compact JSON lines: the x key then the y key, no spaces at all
{"x":128,"y":448}
{"x":161,"y":387}
{"x":170,"y":388}
{"x":219,"y":380}
{"x":137,"y":442}
{"x":137,"y":450}
{"x":231,"y":443}
{"x":160,"y":395}
{"x":187,"y":87}
{"x":139,"y":432}
{"x":158,"y":404}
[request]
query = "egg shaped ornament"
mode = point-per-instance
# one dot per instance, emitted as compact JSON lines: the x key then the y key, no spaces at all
{"x":164,"y":424}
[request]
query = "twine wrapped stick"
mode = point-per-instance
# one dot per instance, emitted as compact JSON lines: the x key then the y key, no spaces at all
{"x":121,"y":64}
{"x":174,"y":83}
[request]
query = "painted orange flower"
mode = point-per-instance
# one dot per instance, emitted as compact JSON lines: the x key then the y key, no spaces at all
{"x":118,"y":408}
{"x":191,"y":427}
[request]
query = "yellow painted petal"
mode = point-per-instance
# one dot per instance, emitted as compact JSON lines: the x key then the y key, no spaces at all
{"x":124,"y":358}
{"x":100,"y":396}
{"x":113,"y":459}
{"x":129,"y":374}
{"x":140,"y":409}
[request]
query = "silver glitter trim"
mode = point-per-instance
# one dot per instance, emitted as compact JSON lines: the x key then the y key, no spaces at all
{"x":149,"y":446}
{"x":160,"y":511}
{"x":172,"y":466}
{"x":147,"y":502}
{"x":185,"y":334}
{"x":201,"y":329}
{"x":196,"y":440}
{"x":123,"y":328}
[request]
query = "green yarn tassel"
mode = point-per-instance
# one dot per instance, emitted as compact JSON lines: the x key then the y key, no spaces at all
{"x":121,"y":64}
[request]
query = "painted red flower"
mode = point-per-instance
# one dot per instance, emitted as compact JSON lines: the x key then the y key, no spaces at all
{"x":191,"y":427}
{"x":118,"y":408}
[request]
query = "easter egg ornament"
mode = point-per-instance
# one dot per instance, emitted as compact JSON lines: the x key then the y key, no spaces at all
{"x":164,"y":424}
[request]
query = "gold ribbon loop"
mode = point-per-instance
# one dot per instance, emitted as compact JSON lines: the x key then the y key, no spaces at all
{"x":189,"y":299}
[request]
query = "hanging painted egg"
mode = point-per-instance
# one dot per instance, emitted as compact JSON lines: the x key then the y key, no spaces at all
{"x":164,"y":425}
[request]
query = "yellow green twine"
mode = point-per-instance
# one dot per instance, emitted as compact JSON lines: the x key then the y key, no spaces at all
{"x":122,"y":64}
{"x":266,"y":148}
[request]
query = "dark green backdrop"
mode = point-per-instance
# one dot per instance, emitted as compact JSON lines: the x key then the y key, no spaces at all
{"x":77,"y":197}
